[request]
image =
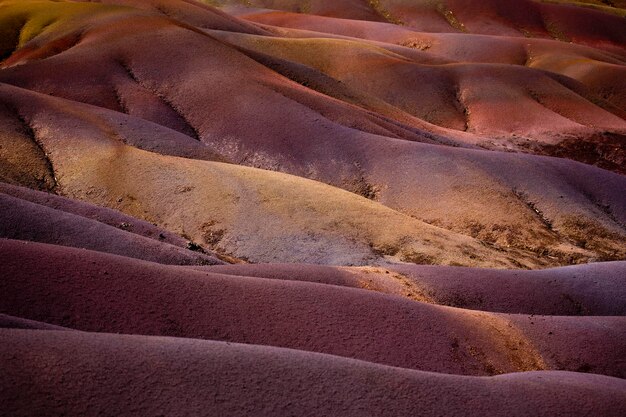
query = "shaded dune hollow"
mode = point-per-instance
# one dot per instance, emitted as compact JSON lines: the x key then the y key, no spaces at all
{"x":312,"y":208}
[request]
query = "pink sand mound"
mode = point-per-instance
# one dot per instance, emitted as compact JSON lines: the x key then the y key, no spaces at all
{"x":528,"y":18}
{"x":75,"y":373}
{"x":77,"y":224}
{"x":93,"y":291}
{"x":312,"y":208}
{"x":594,"y":289}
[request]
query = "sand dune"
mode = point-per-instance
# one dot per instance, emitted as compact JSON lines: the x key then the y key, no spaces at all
{"x":563,"y":22}
{"x":11,"y":322}
{"x":346,"y":207}
{"x":492,"y":196}
{"x":595,"y":289}
{"x":594,"y":200}
{"x":106,"y":293}
{"x":20,"y":219}
{"x":183,"y":376}
{"x":212,"y":203}
{"x":93,"y":212}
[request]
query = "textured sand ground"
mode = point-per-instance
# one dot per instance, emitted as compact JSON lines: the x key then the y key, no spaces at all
{"x":347,"y":207}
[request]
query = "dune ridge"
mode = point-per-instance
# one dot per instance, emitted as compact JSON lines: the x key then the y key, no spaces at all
{"x":346,"y":207}
{"x":308,"y":384}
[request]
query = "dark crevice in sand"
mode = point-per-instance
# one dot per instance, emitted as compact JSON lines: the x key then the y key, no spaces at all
{"x":47,"y":25}
{"x":604,"y":208}
{"x":30,"y":133}
{"x":74,"y":39}
{"x":191,"y":130}
{"x":384,"y":13}
{"x":579,"y":308}
{"x":120,"y":101}
{"x":400,"y":130}
{"x":553,"y":30}
{"x":382,"y":122}
{"x":538,"y":99}
{"x":361,"y":186}
{"x":160,"y":9}
{"x":528,"y":59}
{"x":523,"y":197}
{"x":462,"y":107}
{"x":6,"y":55}
{"x":17,"y":34}
{"x":52,"y":48}
{"x":322,"y":83}
{"x":166,"y":13}
{"x":425,"y":136}
{"x":448,"y":14}
{"x":609,"y":3}
{"x":523,"y":31}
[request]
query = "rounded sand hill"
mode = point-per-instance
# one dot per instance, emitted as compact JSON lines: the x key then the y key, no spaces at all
{"x":321,"y":207}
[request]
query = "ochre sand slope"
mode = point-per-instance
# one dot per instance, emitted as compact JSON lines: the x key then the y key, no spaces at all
{"x":24,"y":220}
{"x":520,"y":214}
{"x":574,"y":214}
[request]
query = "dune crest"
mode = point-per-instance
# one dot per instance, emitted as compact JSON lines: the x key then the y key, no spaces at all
{"x":320,"y":207}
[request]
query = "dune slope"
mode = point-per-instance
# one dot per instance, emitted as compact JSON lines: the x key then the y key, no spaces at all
{"x":320,"y":207}
{"x":112,"y":294}
{"x":183,"y":376}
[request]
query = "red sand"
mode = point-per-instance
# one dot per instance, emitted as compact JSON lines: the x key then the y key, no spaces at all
{"x":363,"y":136}
{"x":10,"y":322}
{"x":105,"y":293}
{"x":590,"y":290}
{"x":366,"y":168}
{"x":85,"y":373}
